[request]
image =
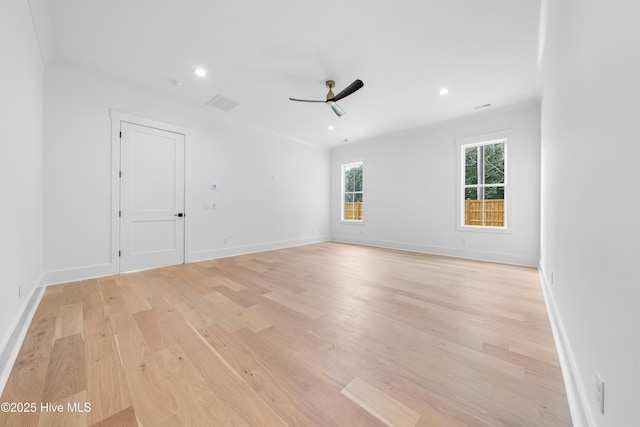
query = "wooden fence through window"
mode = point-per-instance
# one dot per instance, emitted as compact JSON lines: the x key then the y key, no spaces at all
{"x":353,"y":211}
{"x":493,"y":211}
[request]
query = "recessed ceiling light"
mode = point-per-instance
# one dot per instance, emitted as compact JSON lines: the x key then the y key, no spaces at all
{"x":330,"y":127}
{"x":444,"y":91}
{"x":175,"y":82}
{"x":200,"y":72}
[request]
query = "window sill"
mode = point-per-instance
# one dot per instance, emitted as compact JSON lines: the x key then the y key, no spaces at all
{"x":351,"y":222}
{"x":493,"y":230}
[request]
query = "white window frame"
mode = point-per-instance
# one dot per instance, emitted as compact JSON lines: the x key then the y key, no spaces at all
{"x":487,"y":139}
{"x":342,"y":192}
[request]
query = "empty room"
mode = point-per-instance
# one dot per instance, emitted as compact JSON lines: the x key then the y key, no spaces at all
{"x":297,"y":213}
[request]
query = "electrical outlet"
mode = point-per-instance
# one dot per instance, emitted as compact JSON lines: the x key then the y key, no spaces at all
{"x":600,"y":392}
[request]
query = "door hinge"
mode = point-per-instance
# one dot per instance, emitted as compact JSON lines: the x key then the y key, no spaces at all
{"x":120,"y":214}
{"x":120,"y":174}
{"x":120,"y":134}
{"x":119,"y":253}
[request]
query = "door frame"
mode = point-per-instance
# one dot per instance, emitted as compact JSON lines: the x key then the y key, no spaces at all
{"x":117,"y":117}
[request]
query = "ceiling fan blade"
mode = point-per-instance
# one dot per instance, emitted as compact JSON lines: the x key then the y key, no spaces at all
{"x":336,"y":109}
{"x":306,"y":100}
{"x":349,"y":90}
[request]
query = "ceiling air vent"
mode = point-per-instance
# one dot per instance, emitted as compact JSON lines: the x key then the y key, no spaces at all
{"x":479,"y":107}
{"x":222,"y":103}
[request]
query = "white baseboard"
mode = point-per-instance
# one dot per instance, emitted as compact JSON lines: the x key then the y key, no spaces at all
{"x":573,"y":384}
{"x":103,"y":270}
{"x":249,"y":249}
{"x":80,"y":273}
{"x":10,"y":347}
{"x":501,"y":258}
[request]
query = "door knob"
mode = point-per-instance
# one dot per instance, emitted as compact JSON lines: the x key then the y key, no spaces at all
{"x":179,"y":214}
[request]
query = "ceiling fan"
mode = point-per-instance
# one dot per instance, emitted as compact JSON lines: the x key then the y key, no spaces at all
{"x":332,"y":99}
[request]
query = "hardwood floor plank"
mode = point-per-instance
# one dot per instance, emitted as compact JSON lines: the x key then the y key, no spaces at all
{"x":223,"y":379}
{"x":153,"y":397}
{"x":122,"y":322}
{"x":229,"y":283}
{"x":72,"y":293}
{"x":124,"y":418}
{"x":66,"y":374}
{"x":134,"y":299}
{"x":107,"y":389}
{"x":27,"y":379}
{"x":243,"y":298}
{"x":155,"y":335}
{"x":198,"y":404}
{"x":114,"y":302}
{"x":69,"y":321}
{"x":238,"y":315}
{"x":92,"y":305}
{"x":293,"y":304}
{"x":535,"y":351}
{"x":67,"y":412}
{"x":281,"y":384}
{"x":383,"y":407}
{"x":49,"y":304}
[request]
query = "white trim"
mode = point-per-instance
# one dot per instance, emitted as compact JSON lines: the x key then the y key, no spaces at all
{"x":114,"y":260}
{"x":80,"y":273}
{"x":139,"y":120}
{"x":254,"y":248}
{"x":342,"y":166}
{"x":498,"y":257}
{"x":574,"y":386}
{"x":353,"y":221}
{"x":42,"y":27}
{"x":117,"y":117}
{"x":103,"y":270}
{"x":10,"y":347}
{"x":505,"y":136}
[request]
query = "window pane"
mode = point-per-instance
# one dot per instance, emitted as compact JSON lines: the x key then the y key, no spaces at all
{"x":357,"y":198}
{"x":353,"y":178}
{"x":357,"y":178}
{"x":348,"y":180}
{"x":494,"y":163}
{"x":471,"y":166}
{"x":348,"y":198}
{"x":494,"y":193}
{"x":471,"y":194}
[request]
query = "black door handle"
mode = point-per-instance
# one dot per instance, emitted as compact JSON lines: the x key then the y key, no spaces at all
{"x":179,"y":214}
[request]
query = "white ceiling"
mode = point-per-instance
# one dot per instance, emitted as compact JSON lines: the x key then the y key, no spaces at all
{"x":260,"y":53}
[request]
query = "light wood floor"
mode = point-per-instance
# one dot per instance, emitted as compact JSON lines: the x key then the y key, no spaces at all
{"x":326,"y":334}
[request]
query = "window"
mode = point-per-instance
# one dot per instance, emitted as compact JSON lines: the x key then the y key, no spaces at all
{"x":484,"y":184}
{"x":352,"y":192}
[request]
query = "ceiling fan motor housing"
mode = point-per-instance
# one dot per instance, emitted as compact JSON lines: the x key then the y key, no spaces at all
{"x":330,"y":85}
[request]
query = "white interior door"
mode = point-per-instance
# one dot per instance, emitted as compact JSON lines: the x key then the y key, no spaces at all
{"x":151,"y":197}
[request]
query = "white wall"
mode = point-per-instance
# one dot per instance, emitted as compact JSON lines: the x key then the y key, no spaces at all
{"x":271,"y":192}
{"x":590,"y":204}
{"x":21,"y":73}
{"x":410,"y":189}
